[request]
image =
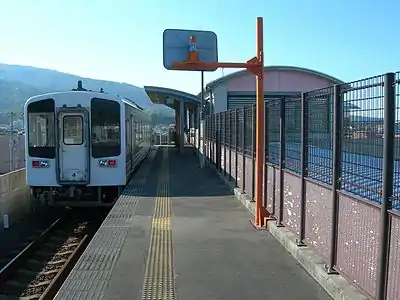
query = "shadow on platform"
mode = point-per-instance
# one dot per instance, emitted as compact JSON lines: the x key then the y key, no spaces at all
{"x":187,"y":178}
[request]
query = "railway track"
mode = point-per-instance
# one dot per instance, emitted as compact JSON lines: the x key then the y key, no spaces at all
{"x":38,"y":271}
{"x":22,"y":233}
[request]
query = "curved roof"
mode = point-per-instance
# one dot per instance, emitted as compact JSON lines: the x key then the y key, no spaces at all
{"x":220,"y":80}
{"x":157,"y":94}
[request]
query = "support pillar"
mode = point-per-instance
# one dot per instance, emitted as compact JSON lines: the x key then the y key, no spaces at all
{"x":187,"y":124}
{"x":181,"y":125}
{"x":192,"y":126}
{"x":184,"y":116}
{"x":177,"y":122}
{"x":200,"y":138}
{"x":177,"y":118}
{"x":188,"y":117}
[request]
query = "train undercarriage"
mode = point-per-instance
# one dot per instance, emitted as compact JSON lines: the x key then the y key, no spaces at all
{"x":76,"y":196}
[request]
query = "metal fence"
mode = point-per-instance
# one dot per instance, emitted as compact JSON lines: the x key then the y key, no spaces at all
{"x":331,"y":173}
{"x":161,"y":138}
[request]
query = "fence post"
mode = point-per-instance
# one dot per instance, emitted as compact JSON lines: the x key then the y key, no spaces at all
{"x":303,"y":167}
{"x":230,"y":143}
{"x":387,"y":183}
{"x":266,"y":148}
{"x":336,"y":173}
{"x":219,"y":125}
{"x":253,"y":151}
{"x":236,"y":144}
{"x":244,"y":150}
{"x":223,"y":133}
{"x":282,"y":148}
{"x":206,"y":138}
{"x":214,"y":147}
{"x":210,"y":138}
{"x":217,"y":141}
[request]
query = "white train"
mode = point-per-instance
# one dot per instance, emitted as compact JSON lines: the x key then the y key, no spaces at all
{"x":82,"y":146}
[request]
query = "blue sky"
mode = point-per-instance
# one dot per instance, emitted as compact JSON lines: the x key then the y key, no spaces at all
{"x":121,"y":40}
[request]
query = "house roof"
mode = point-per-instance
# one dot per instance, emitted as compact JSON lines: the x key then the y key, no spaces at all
{"x":159,"y":95}
{"x":225,"y":78}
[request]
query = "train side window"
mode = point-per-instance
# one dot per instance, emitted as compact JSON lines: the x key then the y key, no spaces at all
{"x":41,"y":139}
{"x":138,"y":132}
{"x":105,"y":128}
{"x":73,"y":130}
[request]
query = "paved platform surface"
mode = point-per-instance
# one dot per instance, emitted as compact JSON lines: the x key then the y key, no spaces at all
{"x":177,"y":232}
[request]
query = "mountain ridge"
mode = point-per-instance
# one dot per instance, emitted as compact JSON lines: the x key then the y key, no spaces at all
{"x":55,"y":81}
{"x":19,"y":82}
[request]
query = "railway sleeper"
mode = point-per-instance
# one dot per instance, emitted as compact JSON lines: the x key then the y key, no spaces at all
{"x":15,"y":252}
{"x":51,"y":272}
{"x":26,"y":272}
{"x":44,"y":253}
{"x":15,"y":284}
{"x":35,"y":262}
{"x":30,"y":297}
{"x":57,"y":238}
{"x":70,"y":245}
{"x":40,"y":284}
{"x":64,"y":253}
{"x":57,"y":262}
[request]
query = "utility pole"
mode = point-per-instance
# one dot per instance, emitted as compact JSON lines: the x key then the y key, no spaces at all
{"x":17,"y":145}
{"x":11,"y":143}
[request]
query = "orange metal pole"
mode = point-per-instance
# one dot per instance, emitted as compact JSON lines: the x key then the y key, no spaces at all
{"x":260,"y":212}
{"x":254,"y":65}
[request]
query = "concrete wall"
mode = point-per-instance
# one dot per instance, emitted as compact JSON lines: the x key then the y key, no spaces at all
{"x":19,"y":153}
{"x":14,"y":195}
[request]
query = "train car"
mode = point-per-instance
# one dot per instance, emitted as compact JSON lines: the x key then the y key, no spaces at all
{"x":83,"y":146}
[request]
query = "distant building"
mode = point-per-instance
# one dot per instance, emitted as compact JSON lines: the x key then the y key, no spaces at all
{"x":237,"y":90}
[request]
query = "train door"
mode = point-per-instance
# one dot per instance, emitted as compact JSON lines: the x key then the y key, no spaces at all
{"x":73,"y":154}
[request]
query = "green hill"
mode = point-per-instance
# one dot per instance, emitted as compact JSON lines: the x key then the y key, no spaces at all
{"x":161,"y":114}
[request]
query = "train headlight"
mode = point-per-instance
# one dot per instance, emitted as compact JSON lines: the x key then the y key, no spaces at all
{"x":111,"y":163}
{"x":102,"y":163}
{"x":40,"y":164}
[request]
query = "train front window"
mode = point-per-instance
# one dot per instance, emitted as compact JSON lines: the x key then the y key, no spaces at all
{"x":41,"y":140}
{"x":105,"y":128}
{"x":73,"y":130}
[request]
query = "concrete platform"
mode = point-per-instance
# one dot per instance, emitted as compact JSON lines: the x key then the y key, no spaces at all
{"x":177,"y":232}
